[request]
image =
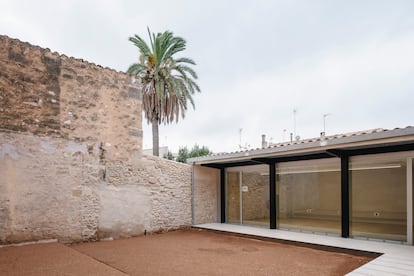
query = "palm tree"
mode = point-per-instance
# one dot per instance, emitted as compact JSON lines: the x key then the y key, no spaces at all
{"x":168,"y":83}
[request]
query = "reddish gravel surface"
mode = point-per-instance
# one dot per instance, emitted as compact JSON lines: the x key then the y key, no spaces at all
{"x":184,"y":252}
{"x":49,"y":259}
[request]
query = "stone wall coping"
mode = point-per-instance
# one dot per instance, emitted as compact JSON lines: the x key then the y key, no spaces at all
{"x":63,"y":56}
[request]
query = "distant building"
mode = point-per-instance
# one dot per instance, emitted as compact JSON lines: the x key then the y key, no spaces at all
{"x":162,"y":151}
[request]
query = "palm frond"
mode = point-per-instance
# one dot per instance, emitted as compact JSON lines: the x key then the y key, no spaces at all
{"x":194,"y":85}
{"x":168,"y":83}
{"x":185,"y":60}
{"x":136,"y":69}
{"x":177,"y":45}
{"x":184,"y":68}
{"x":141,"y":45}
{"x":152,"y":38}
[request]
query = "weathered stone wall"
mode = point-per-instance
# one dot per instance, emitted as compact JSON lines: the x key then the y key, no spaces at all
{"x":101,"y":105}
{"x":152,"y":193}
{"x":47,"y":189}
{"x":55,"y":188}
{"x":71,"y":163}
{"x":45,"y":93}
{"x":170,"y":186}
{"x":29,"y":88}
{"x":206,"y":195}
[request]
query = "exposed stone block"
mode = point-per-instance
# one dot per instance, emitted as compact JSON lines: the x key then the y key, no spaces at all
{"x":134,"y":93}
{"x":135,"y":132}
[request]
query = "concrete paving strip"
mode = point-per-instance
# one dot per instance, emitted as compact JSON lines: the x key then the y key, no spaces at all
{"x":396,"y":259}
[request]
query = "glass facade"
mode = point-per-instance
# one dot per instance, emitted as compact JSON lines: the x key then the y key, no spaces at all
{"x":233,"y":197}
{"x":378,"y":197}
{"x":308,"y":195}
{"x":247,"y":195}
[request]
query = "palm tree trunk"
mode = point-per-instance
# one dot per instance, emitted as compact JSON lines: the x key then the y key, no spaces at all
{"x":155,"y":137}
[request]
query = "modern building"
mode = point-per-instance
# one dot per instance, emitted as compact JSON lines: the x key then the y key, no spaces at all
{"x":356,"y":185}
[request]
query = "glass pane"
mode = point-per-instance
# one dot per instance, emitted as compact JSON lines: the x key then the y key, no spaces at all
{"x":233,"y":197}
{"x":309,"y":195}
{"x":378,"y":198}
{"x":255,"y":195}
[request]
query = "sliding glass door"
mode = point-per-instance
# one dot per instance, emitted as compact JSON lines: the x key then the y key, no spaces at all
{"x":309,"y":196}
{"x":247,"y":195}
{"x":233,"y":196}
{"x":378,"y":197}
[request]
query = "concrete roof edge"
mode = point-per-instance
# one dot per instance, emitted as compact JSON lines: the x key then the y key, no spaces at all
{"x":323,"y":143}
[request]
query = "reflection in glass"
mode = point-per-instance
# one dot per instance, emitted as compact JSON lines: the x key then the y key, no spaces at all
{"x":247,"y":195}
{"x":255,"y":196}
{"x":378,"y":198}
{"x":309,"y":195}
{"x":232,"y":197}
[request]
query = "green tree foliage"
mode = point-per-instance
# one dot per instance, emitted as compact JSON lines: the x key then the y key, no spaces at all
{"x":182,"y":154}
{"x":196,"y":151}
{"x":169,"y":156}
{"x":168,"y":82}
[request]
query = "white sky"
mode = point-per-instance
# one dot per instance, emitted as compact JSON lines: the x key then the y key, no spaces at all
{"x":257,"y":60}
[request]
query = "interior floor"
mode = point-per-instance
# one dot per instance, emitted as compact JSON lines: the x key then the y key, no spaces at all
{"x":382,"y":231}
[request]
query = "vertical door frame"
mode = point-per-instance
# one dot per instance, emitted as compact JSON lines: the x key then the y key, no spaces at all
{"x":409,"y":200}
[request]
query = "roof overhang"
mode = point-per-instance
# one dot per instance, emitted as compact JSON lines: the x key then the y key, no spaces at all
{"x":379,"y":142}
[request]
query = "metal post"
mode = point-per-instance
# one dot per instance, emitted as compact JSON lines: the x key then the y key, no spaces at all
{"x":192,"y":194}
{"x":324,"y":121}
{"x":410,"y":200}
{"x":272,"y":191}
{"x":345,"y":196}
{"x":241,"y":196}
{"x":223,"y":195}
{"x":294,"y":122}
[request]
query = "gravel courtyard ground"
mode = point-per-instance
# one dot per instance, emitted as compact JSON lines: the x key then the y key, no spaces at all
{"x":183,"y":252}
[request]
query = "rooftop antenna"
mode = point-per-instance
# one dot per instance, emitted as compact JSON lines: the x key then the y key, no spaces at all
{"x":246,"y":146}
{"x":324,"y":122}
{"x":294,"y":122}
{"x":240,"y":137}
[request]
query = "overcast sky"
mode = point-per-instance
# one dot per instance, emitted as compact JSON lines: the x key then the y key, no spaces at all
{"x":257,"y":61}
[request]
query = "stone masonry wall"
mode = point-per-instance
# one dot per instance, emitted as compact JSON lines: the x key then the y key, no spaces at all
{"x":47,"y":189}
{"x":71,"y":162}
{"x":206,"y":195}
{"x":157,"y":197}
{"x":53,"y":188}
{"x":45,"y":93}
